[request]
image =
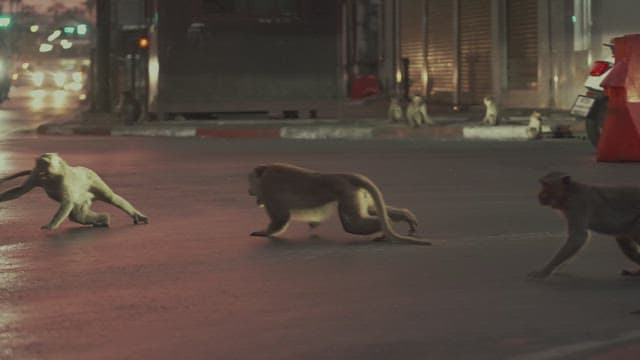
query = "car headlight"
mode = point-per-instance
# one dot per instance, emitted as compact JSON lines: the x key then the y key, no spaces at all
{"x":37,"y":78}
{"x":60,"y":78}
{"x":77,"y":76}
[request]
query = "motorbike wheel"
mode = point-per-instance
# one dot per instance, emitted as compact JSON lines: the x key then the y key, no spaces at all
{"x":595,"y":121}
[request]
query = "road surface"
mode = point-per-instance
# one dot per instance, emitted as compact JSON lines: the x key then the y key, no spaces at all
{"x":193,"y":285}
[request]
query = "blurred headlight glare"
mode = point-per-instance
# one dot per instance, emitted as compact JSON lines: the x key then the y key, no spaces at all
{"x":37,"y":78}
{"x":60,"y":78}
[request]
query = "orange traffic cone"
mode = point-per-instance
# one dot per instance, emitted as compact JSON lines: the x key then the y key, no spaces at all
{"x":620,"y":138}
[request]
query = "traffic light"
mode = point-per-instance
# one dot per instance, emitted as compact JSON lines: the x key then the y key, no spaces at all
{"x":82,"y":29}
{"x":143,"y":42}
{"x":5,"y":21}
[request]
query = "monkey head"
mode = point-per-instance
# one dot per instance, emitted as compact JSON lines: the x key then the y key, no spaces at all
{"x":555,"y":190}
{"x":488,"y":99}
{"x":416,"y":100}
{"x":50,"y":164}
{"x":255,"y":184}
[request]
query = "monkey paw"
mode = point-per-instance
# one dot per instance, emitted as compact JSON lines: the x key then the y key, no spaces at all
{"x":380,"y":239}
{"x":538,"y":274}
{"x":140,"y":219}
{"x":313,"y":225}
{"x":46,"y":227}
{"x":626,"y":272}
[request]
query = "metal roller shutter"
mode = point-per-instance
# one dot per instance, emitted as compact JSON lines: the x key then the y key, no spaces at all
{"x":441,"y":50}
{"x":412,"y":42}
{"x":475,"y":50}
{"x":522,"y":44}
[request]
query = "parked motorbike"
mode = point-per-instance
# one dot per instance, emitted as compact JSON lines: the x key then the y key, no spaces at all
{"x":592,"y":106}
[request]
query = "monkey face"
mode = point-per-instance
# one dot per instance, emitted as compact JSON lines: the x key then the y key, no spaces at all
{"x":553,"y":195}
{"x":255,"y":185}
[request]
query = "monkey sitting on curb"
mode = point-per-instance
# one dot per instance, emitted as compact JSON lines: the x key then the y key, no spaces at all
{"x":607,"y":210}
{"x":395,"y":113}
{"x":491,"y":113}
{"x":417,"y":112}
{"x":74,"y":187}
{"x":290,"y":193}
{"x":534,"y":129}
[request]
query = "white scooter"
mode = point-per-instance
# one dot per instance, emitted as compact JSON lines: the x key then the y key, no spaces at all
{"x":592,"y":106}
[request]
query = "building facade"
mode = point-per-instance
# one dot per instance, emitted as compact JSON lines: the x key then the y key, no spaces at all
{"x":308,"y":57}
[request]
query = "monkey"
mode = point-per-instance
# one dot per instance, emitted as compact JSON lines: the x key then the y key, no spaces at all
{"x":417,"y":112}
{"x":491,"y":114}
{"x":74,"y":187}
{"x":534,"y":129}
{"x":606,"y":210}
{"x":395,"y":112}
{"x":289,"y":192}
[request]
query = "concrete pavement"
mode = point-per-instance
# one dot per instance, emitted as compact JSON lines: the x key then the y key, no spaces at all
{"x":448,"y":126}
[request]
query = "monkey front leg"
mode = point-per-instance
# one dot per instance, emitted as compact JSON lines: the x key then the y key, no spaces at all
{"x":577,"y":239}
{"x":630,"y":247}
{"x":63,"y":212}
{"x":279,"y":221}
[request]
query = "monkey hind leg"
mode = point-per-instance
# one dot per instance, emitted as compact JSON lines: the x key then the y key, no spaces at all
{"x":124,"y":205}
{"x":355,"y":219}
{"x":83,"y":215}
{"x":630,"y":248}
{"x":398,"y":215}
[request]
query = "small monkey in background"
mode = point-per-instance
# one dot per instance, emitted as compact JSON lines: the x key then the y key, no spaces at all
{"x":417,"y":112}
{"x":395,"y":113}
{"x":74,"y":187}
{"x":534,"y":129}
{"x":607,"y":210}
{"x":288,"y":192}
{"x":491,"y":113}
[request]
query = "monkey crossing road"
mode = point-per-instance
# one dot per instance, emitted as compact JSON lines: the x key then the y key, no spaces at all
{"x":193,"y":284}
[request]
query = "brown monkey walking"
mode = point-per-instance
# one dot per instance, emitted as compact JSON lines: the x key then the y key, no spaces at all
{"x":74,"y":187}
{"x":606,"y":210}
{"x":290,"y":193}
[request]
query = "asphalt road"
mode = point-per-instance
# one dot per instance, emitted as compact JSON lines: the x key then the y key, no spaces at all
{"x":193,"y":285}
{"x":29,"y":107}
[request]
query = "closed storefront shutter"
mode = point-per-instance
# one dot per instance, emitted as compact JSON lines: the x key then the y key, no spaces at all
{"x":441,"y":50}
{"x":522,"y":44}
{"x":475,"y":50}
{"x":269,"y":51}
{"x":412,"y":43}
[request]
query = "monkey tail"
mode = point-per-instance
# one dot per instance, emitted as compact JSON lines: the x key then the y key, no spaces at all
{"x":381,"y":208}
{"x":16,"y":175}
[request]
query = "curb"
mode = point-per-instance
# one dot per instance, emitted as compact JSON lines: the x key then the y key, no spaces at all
{"x":302,"y":132}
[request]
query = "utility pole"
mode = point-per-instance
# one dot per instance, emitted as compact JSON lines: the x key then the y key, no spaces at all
{"x":103,"y":57}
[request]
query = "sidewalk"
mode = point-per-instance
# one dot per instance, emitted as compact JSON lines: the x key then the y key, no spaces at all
{"x":449,"y":126}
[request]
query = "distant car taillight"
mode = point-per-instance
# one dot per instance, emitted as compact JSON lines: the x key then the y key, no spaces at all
{"x":599,"y":68}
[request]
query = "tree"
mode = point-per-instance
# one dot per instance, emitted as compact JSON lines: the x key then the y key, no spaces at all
{"x":14,"y":5}
{"x":91,"y":6}
{"x":56,"y":9}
